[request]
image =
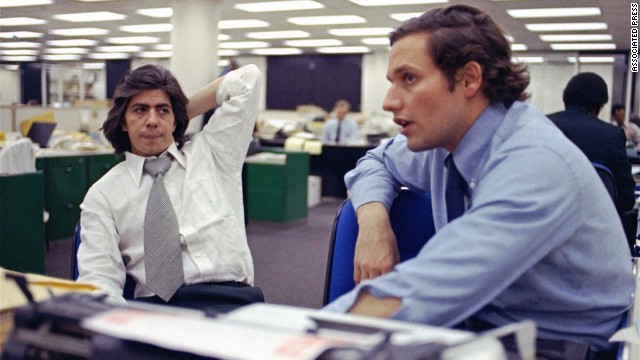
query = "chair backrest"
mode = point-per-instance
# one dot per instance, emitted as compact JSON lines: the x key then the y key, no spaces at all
{"x":129,"y":284}
{"x":607,"y":178}
{"x":412,"y":222}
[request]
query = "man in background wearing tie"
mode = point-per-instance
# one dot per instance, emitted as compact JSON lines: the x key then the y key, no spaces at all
{"x":340,"y":129}
{"x":521,"y":216}
{"x":171,"y":214}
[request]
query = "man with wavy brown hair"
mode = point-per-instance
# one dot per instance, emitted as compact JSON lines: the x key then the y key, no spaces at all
{"x":520,"y":214}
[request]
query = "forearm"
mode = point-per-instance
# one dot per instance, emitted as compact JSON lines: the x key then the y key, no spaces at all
{"x":204,"y":99}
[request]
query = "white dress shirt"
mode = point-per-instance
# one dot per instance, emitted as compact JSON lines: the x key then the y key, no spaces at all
{"x":205,"y":187}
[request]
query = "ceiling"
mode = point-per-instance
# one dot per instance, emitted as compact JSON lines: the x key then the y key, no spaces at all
{"x":615,"y":13}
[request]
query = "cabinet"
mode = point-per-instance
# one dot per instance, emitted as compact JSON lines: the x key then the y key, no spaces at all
{"x":67,"y":179}
{"x":22,"y":236}
{"x":277,"y":190}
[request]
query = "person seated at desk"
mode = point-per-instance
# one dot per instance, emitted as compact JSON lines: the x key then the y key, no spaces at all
{"x":195,"y":252}
{"x":340,"y":129}
{"x":583,"y":97}
{"x":524,"y":227}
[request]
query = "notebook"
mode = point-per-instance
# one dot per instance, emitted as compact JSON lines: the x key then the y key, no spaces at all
{"x":40,"y":132}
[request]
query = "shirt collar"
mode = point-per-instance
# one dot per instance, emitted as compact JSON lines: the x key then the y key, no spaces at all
{"x":472,"y":151}
{"x":135,"y":163}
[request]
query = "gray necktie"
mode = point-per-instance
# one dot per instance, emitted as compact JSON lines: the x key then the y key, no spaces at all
{"x":162,"y":255}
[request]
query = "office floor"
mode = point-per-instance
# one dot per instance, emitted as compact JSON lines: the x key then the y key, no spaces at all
{"x":290,"y":258}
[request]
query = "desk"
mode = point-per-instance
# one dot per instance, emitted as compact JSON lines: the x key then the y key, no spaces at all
{"x":67,"y":177}
{"x":332,"y":165}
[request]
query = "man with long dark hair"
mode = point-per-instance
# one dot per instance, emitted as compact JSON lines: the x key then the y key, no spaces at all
{"x":524,"y":227}
{"x":171,"y":215}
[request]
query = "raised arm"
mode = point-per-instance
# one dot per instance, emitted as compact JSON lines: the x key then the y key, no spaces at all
{"x":204,"y":99}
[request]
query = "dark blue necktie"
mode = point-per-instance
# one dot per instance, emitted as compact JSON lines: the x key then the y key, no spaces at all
{"x":455,"y":190}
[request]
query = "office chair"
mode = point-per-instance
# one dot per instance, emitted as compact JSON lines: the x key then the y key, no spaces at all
{"x":412,"y":222}
{"x":129,"y":284}
{"x":607,"y":178}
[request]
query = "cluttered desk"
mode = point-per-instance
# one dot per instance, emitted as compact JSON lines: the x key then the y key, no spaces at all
{"x":81,"y":325}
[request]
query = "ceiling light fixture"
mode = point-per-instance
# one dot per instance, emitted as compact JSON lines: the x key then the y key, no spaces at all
{"x":343,"y":50}
{"x":396,"y":2}
{"x":279,"y":6}
{"x":564,"y":47}
{"x":21,"y":21}
{"x":147,"y":28}
{"x":327,"y":20}
{"x":554,"y":12}
{"x":79,"y":32}
{"x":243,"y":45}
{"x":290,"y":34}
{"x":18,"y":3}
{"x":361,"y":31}
{"x":566,"y":26}
{"x":313,"y":43}
{"x":277,"y":51}
{"x":242,"y":24}
{"x":90,"y":16}
{"x":576,"y":37}
{"x":166,"y":12}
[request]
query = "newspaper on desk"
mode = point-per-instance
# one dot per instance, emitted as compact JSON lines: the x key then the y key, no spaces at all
{"x":260,"y":331}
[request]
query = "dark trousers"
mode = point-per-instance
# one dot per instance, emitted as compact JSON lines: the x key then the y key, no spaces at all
{"x":545,"y":349}
{"x":212,"y":298}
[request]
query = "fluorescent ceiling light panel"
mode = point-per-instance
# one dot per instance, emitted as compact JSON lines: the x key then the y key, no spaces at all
{"x":79,"y":32}
{"x":109,"y":56}
{"x":228,"y":52}
{"x":93,"y":66}
{"x":528,"y":59}
{"x":155,"y":54}
{"x":61,"y":57}
{"x":518,"y":47}
{"x":327,"y":20}
{"x":279,"y":6}
{"x":17,"y":3}
{"x":19,"y":45}
{"x":18,"y":58}
{"x":67,"y":50}
{"x":566,"y":26}
{"x":224,"y":37}
{"x":405,"y":16}
{"x":592,"y":59}
{"x":90,"y":16}
{"x":156,"y":12}
{"x":343,"y":50}
{"x":133,"y":40}
{"x":583,"y":46}
{"x":243,"y":45}
{"x":313,"y":43}
{"x":396,"y":2}
{"x":361,"y":31}
{"x":20,"y":35}
{"x":277,"y":51}
{"x":163,"y":47}
{"x":290,"y":34}
{"x":242,"y":24}
{"x":21,"y":21}
{"x":149,"y":28}
{"x":19,"y":52}
{"x":554,"y":12}
{"x":223,"y":62}
{"x":119,"y":48}
{"x":576,"y":37}
{"x":73,"y":42}
{"x":376,"y":41}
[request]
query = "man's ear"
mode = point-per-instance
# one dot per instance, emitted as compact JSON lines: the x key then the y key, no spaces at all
{"x":470,"y":76}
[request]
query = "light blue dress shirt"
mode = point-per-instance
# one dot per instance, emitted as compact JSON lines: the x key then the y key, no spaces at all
{"x":348,"y":131}
{"x":540,"y":239}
